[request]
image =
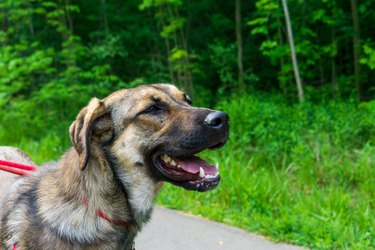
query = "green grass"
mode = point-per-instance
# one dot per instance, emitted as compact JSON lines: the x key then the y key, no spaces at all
{"x":289,"y":204}
{"x":303,"y":174}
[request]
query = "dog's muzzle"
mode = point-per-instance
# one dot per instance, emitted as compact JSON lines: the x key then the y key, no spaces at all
{"x":179,"y":165}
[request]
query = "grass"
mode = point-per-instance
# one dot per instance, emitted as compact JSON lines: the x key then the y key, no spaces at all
{"x":302,"y":174}
{"x":288,"y":204}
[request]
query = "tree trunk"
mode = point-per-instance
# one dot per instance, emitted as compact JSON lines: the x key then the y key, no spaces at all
{"x":335,"y":85}
{"x":321,"y":67}
{"x":176,"y":42}
{"x":155,"y":57}
{"x":356,"y":48}
{"x":62,"y":20}
{"x":168,"y":47}
{"x":283,"y":86}
{"x":104,"y":16}
{"x":293,"y":52}
{"x":239,"y":45}
{"x":184,"y":42}
{"x":69,"y":17}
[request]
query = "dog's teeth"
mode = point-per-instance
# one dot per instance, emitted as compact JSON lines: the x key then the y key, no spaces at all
{"x":217,"y":166}
{"x":173,"y":163}
{"x":179,"y":166}
{"x":168,"y":159}
{"x":163,"y":158}
{"x":201,"y":172}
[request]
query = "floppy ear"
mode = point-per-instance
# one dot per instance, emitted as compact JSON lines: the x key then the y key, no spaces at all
{"x":93,"y":123}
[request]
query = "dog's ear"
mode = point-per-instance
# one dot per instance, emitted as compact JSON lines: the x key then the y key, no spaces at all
{"x":93,"y":123}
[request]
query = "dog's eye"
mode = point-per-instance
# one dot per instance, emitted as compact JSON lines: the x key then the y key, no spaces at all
{"x":152,"y":109}
{"x":187,"y":99}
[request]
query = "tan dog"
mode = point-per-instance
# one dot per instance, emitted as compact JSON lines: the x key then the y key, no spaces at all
{"x":101,"y":191}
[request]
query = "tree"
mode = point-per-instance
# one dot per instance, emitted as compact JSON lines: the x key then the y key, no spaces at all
{"x":174,"y":33}
{"x":356,"y":48}
{"x":239,"y":45}
{"x":293,"y":52}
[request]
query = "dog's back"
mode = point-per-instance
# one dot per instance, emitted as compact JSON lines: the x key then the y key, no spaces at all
{"x":15,"y":155}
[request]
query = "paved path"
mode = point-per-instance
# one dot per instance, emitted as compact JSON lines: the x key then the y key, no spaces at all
{"x":171,"y":230}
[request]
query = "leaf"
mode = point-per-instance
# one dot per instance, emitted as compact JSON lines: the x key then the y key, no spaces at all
{"x":178,"y":54}
{"x":259,"y":20}
{"x":260,"y":30}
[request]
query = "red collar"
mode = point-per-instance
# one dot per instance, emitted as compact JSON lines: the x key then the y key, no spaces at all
{"x":105,"y":217}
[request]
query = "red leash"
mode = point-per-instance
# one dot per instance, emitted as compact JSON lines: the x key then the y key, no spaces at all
{"x":16,"y":168}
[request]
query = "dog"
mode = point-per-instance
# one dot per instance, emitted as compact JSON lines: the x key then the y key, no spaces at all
{"x":101,"y":191}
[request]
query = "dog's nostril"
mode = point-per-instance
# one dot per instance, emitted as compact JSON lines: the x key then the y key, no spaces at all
{"x":216,"y":119}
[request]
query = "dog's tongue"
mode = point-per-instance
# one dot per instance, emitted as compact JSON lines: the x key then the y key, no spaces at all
{"x":193,"y":165}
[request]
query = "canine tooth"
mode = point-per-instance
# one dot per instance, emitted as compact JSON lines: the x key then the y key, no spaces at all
{"x":168,"y":159}
{"x":173,"y":163}
{"x":165,"y":158}
{"x":201,"y":172}
{"x":217,"y":166}
{"x":162,"y":157}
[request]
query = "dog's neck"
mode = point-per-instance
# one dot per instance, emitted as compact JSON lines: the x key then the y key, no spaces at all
{"x":138,"y":187}
{"x":96,"y":183}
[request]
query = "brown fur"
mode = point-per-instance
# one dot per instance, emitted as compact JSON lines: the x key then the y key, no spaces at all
{"x":109,"y":167}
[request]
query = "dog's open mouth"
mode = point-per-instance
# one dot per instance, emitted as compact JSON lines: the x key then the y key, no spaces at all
{"x":190,"y":172}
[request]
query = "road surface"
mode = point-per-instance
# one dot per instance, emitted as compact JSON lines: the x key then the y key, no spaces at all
{"x":172,"y":230}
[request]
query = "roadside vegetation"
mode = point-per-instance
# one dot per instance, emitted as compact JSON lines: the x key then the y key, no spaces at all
{"x":301,"y":173}
{"x":299,"y":165}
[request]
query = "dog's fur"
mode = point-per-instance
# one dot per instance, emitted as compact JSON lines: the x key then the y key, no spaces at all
{"x":110,"y":168}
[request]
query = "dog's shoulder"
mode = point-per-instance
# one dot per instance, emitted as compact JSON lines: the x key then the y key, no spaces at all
{"x":15,"y":154}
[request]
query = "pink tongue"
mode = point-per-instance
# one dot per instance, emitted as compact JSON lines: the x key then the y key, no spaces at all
{"x":193,"y":164}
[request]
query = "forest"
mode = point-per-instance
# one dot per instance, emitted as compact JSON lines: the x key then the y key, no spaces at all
{"x":295,"y":76}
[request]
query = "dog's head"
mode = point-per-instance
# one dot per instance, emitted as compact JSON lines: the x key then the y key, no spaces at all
{"x":152,"y":130}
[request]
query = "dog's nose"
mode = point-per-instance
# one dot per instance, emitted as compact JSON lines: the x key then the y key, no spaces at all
{"x":216,"y":119}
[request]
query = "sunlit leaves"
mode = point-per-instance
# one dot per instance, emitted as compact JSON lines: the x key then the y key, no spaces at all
{"x":369,"y":56}
{"x":174,"y":26}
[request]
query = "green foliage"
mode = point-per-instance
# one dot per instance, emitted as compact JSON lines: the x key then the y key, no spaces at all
{"x":369,"y":58}
{"x":109,"y":48}
{"x":320,"y":30}
{"x":41,"y":82}
{"x":299,"y":173}
{"x":223,"y":59}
